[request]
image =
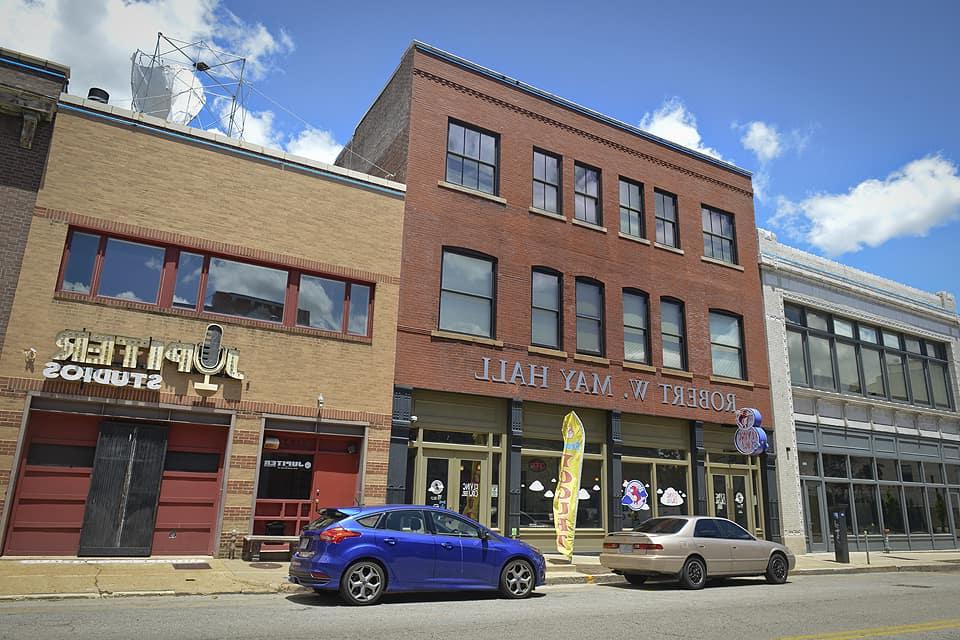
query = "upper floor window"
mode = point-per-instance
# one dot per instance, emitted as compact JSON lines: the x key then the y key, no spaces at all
{"x":546,"y":181}
{"x":471,"y":158}
{"x":668,"y":231}
{"x":726,"y":345}
{"x":631,"y":208}
{"x":586,"y":194}
{"x":673,"y":334}
{"x":839,"y":354}
{"x":589,"y":317}
{"x":467,"y":286}
{"x":719,"y":241}
{"x":545,"y":320}
{"x":636,"y":317}
{"x":169,"y":277}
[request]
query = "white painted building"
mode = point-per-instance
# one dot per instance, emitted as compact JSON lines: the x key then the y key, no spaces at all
{"x":865,"y":369}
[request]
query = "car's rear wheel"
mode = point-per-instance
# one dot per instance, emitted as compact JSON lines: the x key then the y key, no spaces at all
{"x":777,"y":569}
{"x":635,"y":579}
{"x":694,"y":573}
{"x":517,"y":579}
{"x":363,"y":583}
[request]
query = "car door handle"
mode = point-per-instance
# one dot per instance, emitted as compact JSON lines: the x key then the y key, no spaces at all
{"x":701,"y":546}
{"x":390,"y":540}
{"x":446,"y":545}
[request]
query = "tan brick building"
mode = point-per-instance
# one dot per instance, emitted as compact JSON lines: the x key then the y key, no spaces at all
{"x":554,"y":259}
{"x":201,"y":344}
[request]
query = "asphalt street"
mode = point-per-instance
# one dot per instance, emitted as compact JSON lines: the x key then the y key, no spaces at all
{"x":842,"y":607}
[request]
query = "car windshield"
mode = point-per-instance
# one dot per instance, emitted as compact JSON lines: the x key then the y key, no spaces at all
{"x":327,"y":518}
{"x":661,"y":525}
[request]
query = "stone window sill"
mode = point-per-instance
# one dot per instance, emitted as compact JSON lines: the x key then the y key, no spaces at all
{"x":728,"y":265}
{"x":543,"y":351}
{"x":471,"y":192}
{"x":636,"y":366}
{"x":589,"y":225}
{"x":627,"y":236}
{"x":592,"y":359}
{"x":676,"y":373}
{"x":462,"y":337}
{"x":733,"y":381}
{"x":547,"y":214}
{"x":667,"y":248}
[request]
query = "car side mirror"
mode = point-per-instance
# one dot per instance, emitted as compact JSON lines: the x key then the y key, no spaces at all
{"x":484,"y":534}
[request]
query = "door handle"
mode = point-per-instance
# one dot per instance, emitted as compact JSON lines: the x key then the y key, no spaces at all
{"x":701,"y":546}
{"x":446,"y":545}
{"x":390,"y":540}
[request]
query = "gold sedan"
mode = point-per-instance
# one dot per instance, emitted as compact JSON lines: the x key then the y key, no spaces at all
{"x":693,"y":548}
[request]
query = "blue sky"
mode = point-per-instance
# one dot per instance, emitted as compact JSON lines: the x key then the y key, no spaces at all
{"x":849,"y":114}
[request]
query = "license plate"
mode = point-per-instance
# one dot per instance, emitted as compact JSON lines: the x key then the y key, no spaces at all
{"x":626,"y":548}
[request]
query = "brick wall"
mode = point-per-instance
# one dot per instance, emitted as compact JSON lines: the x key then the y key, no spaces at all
{"x":438,"y":217}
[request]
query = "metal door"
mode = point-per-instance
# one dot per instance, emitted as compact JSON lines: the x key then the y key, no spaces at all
{"x":124,"y":489}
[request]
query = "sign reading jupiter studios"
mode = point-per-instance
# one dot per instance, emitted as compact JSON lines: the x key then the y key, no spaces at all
{"x":590,"y":383}
{"x":123,"y":361}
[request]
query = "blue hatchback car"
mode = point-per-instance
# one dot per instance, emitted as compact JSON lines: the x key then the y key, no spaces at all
{"x":364,"y":552}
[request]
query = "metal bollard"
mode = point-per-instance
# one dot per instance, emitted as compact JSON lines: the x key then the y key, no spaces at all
{"x":866,"y":544}
{"x":886,"y":541}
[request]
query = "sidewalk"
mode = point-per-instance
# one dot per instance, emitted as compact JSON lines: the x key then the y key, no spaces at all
{"x":55,"y":578}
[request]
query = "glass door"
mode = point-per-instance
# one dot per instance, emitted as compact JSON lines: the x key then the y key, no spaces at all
{"x":955,"y":508}
{"x":732,"y":498}
{"x":817,"y":536}
{"x":455,"y":481}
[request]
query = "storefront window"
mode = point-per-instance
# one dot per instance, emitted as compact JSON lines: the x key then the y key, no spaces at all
{"x":890,"y":505}
{"x":320,"y":304}
{"x":939,"y":509}
{"x":808,"y":464}
{"x":910,"y":471}
{"x":865,"y":503}
{"x":189,"y":270}
{"x":285,"y":476}
{"x":557,"y":445}
{"x":838,"y":500}
{"x":727,"y":458}
{"x":939,"y":378}
{"x":538,"y":481}
{"x":886,"y":469}
{"x":918,"y":381}
{"x":641,"y":472}
{"x":834,"y":466}
{"x":648,"y":452}
{"x":131,"y":271}
{"x":873,"y":371}
{"x":495,"y":492}
{"x":590,"y":509}
{"x":916,"y":512}
{"x":672,"y":490}
{"x":861,"y":468}
{"x":78,"y":274}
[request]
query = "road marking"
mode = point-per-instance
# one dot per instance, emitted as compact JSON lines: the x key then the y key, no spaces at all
{"x":879,"y":632}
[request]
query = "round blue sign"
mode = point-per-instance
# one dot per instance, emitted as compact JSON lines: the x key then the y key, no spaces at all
{"x":751,"y":439}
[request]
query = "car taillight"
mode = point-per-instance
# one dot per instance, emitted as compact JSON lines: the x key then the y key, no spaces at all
{"x":648,"y":547}
{"x":337,"y":535}
{"x":610,"y":545}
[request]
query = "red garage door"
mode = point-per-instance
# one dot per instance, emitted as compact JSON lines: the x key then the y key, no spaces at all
{"x":53,"y":483}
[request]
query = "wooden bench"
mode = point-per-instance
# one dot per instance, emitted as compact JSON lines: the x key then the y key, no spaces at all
{"x":252,"y":544}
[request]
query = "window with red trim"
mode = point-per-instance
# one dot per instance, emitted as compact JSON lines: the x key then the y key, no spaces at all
{"x":101,"y":266}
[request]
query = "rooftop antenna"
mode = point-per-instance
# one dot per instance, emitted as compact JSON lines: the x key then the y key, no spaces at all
{"x":191,"y":82}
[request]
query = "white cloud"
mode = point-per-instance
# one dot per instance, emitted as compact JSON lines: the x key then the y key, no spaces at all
{"x":96,"y":38}
{"x":763,"y":140}
{"x":672,"y":121}
{"x":921,"y":195}
{"x":315,"y":143}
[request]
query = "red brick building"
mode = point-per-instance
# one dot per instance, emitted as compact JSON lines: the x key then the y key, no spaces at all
{"x":555,"y":259}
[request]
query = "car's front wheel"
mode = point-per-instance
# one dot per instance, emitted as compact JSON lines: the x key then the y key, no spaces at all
{"x":517,"y":579}
{"x":363,"y":583}
{"x":694,"y":573}
{"x":635,"y":579}
{"x":777,"y":569}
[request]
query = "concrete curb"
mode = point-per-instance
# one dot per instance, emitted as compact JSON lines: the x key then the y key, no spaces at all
{"x":571,"y":578}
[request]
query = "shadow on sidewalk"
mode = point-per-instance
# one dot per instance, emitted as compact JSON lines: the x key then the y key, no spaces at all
{"x":673,"y":585}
